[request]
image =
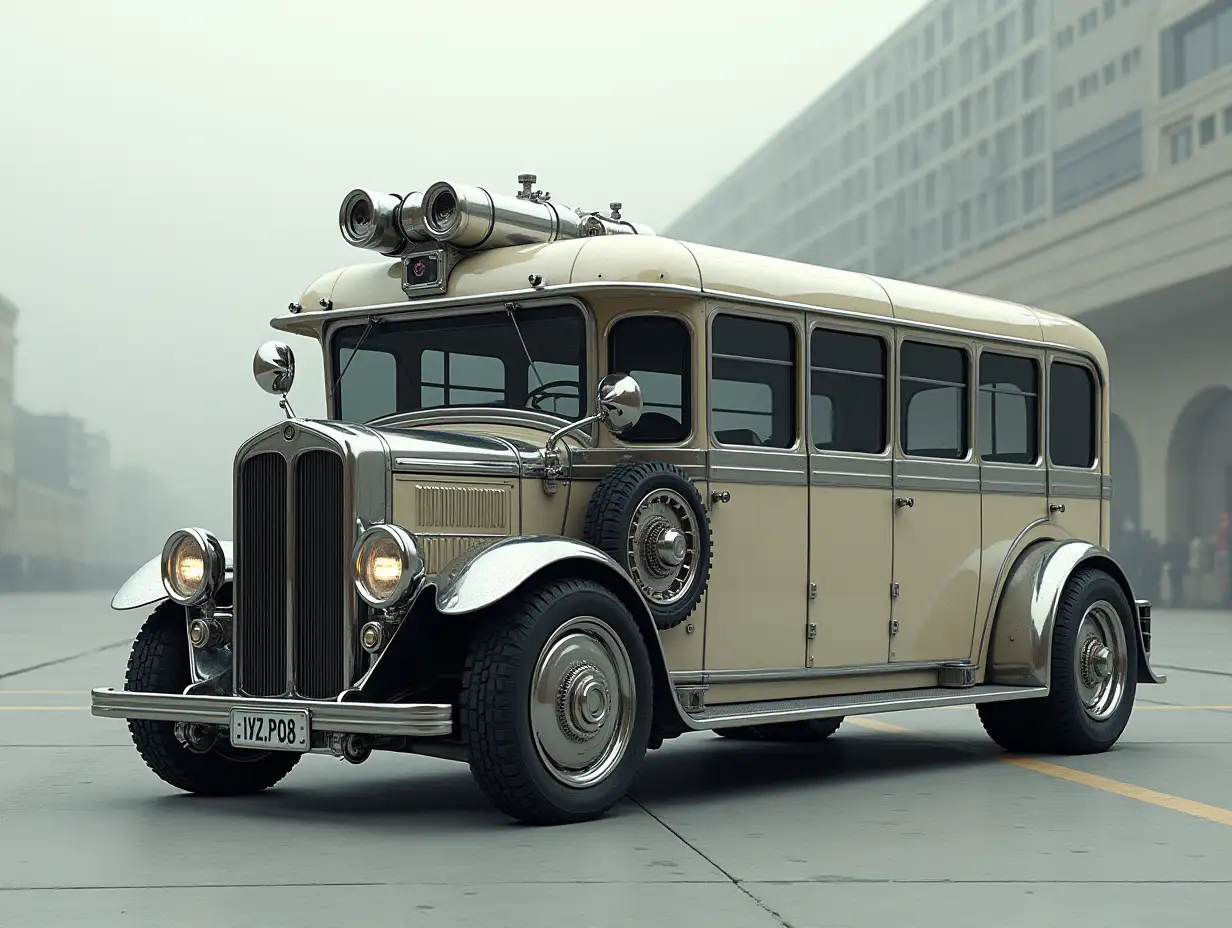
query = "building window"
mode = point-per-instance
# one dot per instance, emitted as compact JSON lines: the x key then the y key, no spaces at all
{"x":1109,"y":9}
{"x":1098,"y":162}
{"x":1032,"y":19}
{"x":1206,"y":131}
{"x":753,"y":382}
{"x":1033,"y":77}
{"x":1033,"y":133}
{"x":1196,"y":46}
{"x":1065,"y":37}
{"x":1007,"y":417}
{"x":929,"y":42}
{"x":947,"y":25}
{"x":1089,"y":21}
{"x":1065,"y":99}
{"x":1227,"y":121}
{"x":1109,"y":73}
{"x":933,"y":389}
{"x":657,"y":351}
{"x":1032,"y":189}
{"x":1180,"y":143}
{"x":847,"y":391}
{"x":1072,"y":416}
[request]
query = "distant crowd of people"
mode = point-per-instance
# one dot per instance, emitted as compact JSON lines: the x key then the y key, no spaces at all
{"x":1196,"y":574}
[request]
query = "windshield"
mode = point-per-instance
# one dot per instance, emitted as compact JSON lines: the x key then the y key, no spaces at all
{"x":472,"y":359}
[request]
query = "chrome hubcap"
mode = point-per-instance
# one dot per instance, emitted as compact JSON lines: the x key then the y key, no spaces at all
{"x":582,"y":702}
{"x":662,"y":546}
{"x":1102,"y":667}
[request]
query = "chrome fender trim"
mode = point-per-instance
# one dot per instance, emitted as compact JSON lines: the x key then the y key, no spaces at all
{"x":145,"y":586}
{"x":1021,"y":649}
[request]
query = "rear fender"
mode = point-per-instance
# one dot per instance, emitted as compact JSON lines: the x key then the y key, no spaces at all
{"x":1021,"y":650}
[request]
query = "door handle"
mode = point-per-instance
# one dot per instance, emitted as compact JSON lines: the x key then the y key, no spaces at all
{"x":1057,"y":507}
{"x":901,"y":501}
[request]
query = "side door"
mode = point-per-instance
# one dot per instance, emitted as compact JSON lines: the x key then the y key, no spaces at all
{"x":1075,"y":484}
{"x":937,"y":542}
{"x":757,"y":599}
{"x":851,"y":511}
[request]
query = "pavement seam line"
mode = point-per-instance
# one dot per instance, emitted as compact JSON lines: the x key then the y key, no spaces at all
{"x":1192,"y":807}
{"x":62,"y":660}
{"x":704,"y":856}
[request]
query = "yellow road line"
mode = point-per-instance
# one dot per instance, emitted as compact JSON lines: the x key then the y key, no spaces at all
{"x":1095,"y":781}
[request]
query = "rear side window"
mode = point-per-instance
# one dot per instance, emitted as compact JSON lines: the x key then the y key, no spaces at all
{"x":657,"y":352}
{"x":753,"y":382}
{"x":847,"y":392}
{"x":1072,"y":415}
{"x":934,"y":390}
{"x":1008,"y":414}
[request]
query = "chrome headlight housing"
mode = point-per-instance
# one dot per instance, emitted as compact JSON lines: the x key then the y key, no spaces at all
{"x":386,"y":565}
{"x":193,"y":566}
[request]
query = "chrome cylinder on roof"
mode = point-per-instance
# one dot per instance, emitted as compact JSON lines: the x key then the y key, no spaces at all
{"x":472,"y":217}
{"x":383,"y":222}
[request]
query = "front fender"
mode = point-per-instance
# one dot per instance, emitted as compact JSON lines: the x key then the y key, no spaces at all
{"x":145,"y":586}
{"x":1021,"y":650}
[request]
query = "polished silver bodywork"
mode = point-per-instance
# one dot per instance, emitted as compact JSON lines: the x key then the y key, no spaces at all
{"x":145,"y":586}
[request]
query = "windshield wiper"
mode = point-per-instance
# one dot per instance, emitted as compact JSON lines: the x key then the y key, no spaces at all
{"x":529,"y":360}
{"x":372,"y":321}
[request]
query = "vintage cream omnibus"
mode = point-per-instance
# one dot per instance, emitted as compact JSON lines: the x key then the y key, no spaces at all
{"x":583,"y":488}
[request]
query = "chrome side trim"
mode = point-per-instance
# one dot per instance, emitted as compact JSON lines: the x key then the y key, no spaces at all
{"x":821,"y":707}
{"x":421,"y":720}
{"x":1016,"y":480}
{"x":480,"y":415}
{"x":759,"y":466}
{"x":792,"y":674}
{"x":838,"y":470}
{"x":1021,"y":650}
{"x":596,"y":463}
{"x":955,"y":476}
{"x":145,"y":585}
{"x":1076,"y":484}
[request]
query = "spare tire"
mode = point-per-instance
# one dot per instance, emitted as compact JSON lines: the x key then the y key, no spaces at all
{"x":650,"y":519}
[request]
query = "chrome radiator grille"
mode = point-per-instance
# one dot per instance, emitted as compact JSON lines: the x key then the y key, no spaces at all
{"x":294,"y":620}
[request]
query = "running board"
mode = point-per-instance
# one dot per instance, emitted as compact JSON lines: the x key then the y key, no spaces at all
{"x":822,"y":707}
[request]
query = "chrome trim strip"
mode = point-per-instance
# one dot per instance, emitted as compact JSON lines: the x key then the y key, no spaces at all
{"x":758,"y":466}
{"x":820,"y":707}
{"x":783,"y":674}
{"x":957,"y":476}
{"x":421,"y":720}
{"x":428,"y":465}
{"x":479,"y":415}
{"x":840,"y":470}
{"x":595,"y":463}
{"x":1013,"y":479}
{"x":1075,"y":484}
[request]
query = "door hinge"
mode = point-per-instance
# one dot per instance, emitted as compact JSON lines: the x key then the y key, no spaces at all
{"x":812,"y":631}
{"x":812,"y":591}
{"x":893,"y":591}
{"x":893,"y":626}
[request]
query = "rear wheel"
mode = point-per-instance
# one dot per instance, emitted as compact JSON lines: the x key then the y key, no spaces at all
{"x":190,"y":757}
{"x":1094,"y":676}
{"x":557,"y":703}
{"x":802,"y":731}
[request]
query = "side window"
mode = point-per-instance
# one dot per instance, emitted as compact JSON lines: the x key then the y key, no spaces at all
{"x":371,"y":384}
{"x":933,"y":417}
{"x":847,"y":387}
{"x":1072,"y":415}
{"x":658,"y":352}
{"x":451,"y":378}
{"x":1008,"y":414}
{"x":753,"y":382}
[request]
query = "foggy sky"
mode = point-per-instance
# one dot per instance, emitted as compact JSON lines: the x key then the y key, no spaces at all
{"x":170,"y":173}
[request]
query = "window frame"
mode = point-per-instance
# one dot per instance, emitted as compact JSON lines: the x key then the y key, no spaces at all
{"x":1038,"y":359}
{"x":848,"y":327}
{"x":689,"y":385}
{"x":925,"y":337}
{"x":764,"y":314}
{"x":1097,"y":399}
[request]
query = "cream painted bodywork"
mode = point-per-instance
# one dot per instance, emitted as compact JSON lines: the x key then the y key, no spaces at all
{"x":950,"y":552}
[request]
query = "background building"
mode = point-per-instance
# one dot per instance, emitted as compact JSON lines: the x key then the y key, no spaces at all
{"x":8,"y":494}
{"x":1070,"y":154}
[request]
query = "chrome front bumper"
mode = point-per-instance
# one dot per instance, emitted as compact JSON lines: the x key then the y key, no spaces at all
{"x":422,"y":720}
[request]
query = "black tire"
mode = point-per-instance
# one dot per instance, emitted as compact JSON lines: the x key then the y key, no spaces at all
{"x":496,"y":703}
{"x":1059,"y":723}
{"x":611,"y":510}
{"x":805,"y":731}
{"x":159,"y":664}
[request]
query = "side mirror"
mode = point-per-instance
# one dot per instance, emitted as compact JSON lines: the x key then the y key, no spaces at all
{"x":620,"y":402}
{"x":273,"y":367}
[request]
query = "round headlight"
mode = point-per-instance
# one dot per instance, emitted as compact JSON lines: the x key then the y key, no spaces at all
{"x":386,"y":565}
{"x":193,"y":565}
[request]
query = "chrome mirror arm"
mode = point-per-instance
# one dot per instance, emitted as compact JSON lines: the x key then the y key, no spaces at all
{"x":564,"y":430}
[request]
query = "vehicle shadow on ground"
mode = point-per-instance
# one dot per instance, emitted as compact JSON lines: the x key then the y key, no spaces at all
{"x":698,"y":768}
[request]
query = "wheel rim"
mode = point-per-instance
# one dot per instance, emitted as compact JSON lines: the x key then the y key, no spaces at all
{"x":662,"y":546}
{"x":1101,"y":666}
{"x":582,"y":702}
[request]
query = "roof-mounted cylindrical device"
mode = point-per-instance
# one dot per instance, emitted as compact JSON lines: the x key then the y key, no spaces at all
{"x":595,"y":224}
{"x":471,"y":217}
{"x":383,"y":222}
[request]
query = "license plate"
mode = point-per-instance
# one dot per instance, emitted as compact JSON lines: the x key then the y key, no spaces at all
{"x":270,"y":729}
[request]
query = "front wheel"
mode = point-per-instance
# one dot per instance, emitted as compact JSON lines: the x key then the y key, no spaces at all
{"x":1093,"y":680}
{"x":189,"y":757}
{"x":557,"y":703}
